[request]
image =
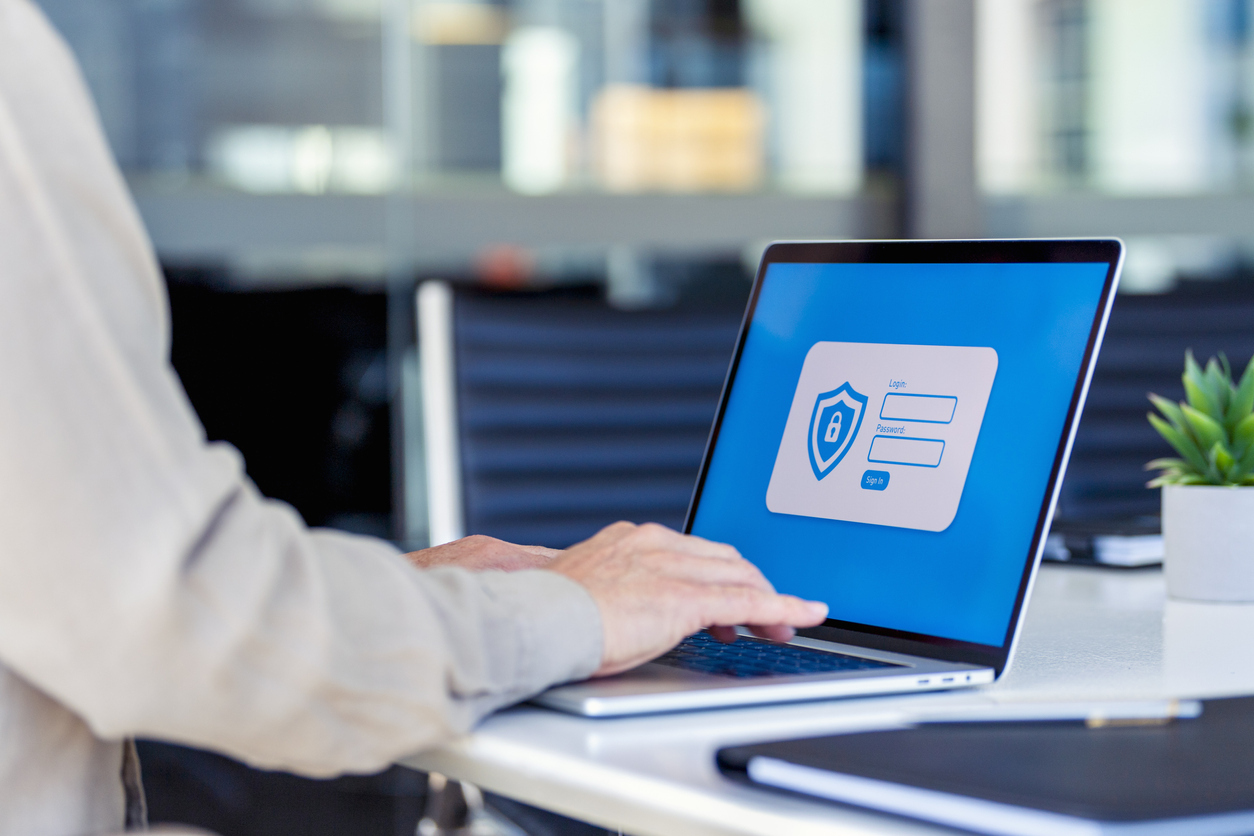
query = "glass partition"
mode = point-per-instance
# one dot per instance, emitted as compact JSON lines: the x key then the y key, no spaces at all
{"x":304,"y":96}
{"x":260,"y":95}
{"x":1122,"y":97}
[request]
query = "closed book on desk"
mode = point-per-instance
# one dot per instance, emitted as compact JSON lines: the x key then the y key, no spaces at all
{"x":1191,"y":777}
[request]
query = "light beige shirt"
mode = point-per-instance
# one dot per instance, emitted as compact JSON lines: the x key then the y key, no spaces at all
{"x":145,"y":587}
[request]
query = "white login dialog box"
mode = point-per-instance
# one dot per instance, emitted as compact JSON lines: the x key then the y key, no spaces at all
{"x":882,"y":434}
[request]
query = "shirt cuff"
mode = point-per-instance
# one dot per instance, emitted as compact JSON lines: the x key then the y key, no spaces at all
{"x":555,"y":622}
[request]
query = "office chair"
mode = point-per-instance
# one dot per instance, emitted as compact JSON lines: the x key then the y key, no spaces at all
{"x":549,"y":415}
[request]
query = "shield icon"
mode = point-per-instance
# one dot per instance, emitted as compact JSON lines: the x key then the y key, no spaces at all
{"x":834,"y":424}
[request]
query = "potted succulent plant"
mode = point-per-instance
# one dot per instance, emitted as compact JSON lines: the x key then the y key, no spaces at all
{"x":1208,"y":492}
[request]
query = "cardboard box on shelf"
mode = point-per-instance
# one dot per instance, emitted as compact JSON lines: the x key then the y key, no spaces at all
{"x":680,"y":140}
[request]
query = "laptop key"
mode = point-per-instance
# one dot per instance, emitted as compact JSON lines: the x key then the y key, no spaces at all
{"x":757,"y":657}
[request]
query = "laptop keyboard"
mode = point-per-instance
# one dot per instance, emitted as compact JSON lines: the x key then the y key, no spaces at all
{"x":757,"y":657}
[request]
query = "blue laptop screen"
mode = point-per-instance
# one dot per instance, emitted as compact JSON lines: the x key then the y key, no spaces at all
{"x":887,"y":442}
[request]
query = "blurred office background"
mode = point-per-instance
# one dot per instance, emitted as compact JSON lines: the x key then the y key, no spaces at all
{"x":596,"y":178}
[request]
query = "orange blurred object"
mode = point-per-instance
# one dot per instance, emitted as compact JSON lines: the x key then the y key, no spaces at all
{"x":504,"y":266}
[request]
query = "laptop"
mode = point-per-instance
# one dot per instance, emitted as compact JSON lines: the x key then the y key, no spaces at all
{"x":891,"y":439}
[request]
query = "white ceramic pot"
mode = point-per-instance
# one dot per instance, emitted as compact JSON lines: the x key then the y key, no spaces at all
{"x":1208,"y":541}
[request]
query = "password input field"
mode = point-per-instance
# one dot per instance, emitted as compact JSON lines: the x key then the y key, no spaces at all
{"x":916,"y":452}
{"x":929,"y":409}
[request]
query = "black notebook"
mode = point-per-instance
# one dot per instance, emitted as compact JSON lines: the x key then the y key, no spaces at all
{"x":1186,"y":776}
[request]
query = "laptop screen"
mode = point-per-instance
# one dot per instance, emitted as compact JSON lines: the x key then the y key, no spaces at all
{"x":887,"y":441}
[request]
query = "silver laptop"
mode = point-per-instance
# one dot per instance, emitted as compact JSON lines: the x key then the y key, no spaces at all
{"x":891,"y":439}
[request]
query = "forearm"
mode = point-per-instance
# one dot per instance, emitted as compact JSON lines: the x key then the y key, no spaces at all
{"x":312,"y":651}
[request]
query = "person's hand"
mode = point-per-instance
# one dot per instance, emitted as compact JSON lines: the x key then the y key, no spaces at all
{"x":478,"y":552}
{"x":655,"y":586}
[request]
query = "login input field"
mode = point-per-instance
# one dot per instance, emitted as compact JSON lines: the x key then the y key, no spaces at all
{"x":928,"y":409}
{"x":917,"y":452}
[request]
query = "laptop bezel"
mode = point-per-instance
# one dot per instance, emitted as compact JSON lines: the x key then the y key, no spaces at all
{"x":1021,"y":251}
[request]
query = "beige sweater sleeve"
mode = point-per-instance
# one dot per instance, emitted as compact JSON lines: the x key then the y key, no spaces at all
{"x":144,"y":583}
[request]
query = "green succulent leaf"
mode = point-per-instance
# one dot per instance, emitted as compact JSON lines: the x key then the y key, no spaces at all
{"x":1169,"y":477}
{"x":1243,"y":436}
{"x":1191,"y":368}
{"x":1169,"y":409}
{"x":1241,"y":404}
{"x":1221,"y":458}
{"x":1205,"y":429}
{"x":1219,"y":384}
{"x":1197,"y":397}
{"x":1247,"y":459}
{"x":1218,"y":387}
{"x":1197,"y":387}
{"x":1183,"y":444}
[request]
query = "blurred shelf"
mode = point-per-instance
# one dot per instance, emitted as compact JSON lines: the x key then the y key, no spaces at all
{"x":448,"y":229}
{"x":343,"y":236}
{"x":1077,"y":214}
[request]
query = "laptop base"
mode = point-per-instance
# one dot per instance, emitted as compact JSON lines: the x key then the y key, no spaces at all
{"x":654,"y":688}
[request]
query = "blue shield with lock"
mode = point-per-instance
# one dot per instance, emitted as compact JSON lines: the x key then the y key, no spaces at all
{"x":834,"y":425}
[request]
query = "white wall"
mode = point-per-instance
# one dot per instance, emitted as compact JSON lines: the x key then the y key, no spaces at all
{"x":815,"y":101}
{"x":1007,"y":106}
{"x":1148,"y":95}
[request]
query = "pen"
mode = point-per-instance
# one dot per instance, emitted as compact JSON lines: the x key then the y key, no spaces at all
{"x":1095,"y":714}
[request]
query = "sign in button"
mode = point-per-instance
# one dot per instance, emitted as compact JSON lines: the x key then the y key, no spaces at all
{"x":875,"y":480}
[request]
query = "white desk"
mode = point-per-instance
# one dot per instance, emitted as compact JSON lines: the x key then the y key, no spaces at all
{"x":1089,"y":633}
